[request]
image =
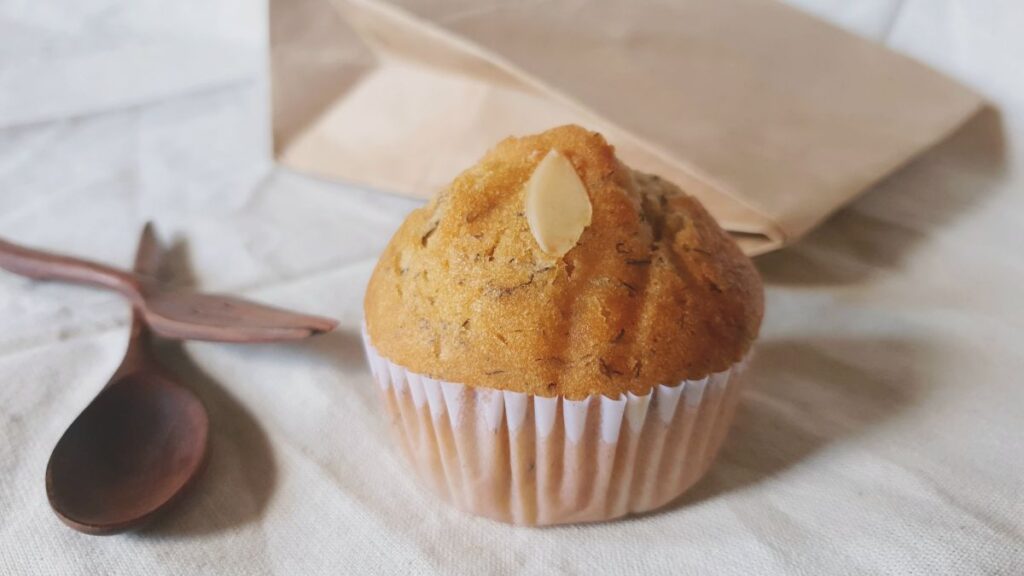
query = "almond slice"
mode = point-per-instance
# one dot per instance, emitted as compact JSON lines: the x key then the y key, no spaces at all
{"x":557,"y":205}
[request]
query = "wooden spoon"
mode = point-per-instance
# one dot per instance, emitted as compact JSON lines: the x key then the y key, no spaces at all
{"x":137,"y":445}
{"x":179,"y":314}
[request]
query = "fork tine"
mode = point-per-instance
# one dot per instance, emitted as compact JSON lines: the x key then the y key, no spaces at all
{"x":206,"y":314}
{"x":277,"y":317}
{"x":170,"y":328}
{"x":271,"y":316}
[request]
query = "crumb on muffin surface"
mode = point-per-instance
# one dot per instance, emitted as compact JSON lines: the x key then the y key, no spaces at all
{"x":654,"y":292}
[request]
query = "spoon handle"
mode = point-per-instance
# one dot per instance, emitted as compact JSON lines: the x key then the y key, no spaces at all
{"x":48,"y":266}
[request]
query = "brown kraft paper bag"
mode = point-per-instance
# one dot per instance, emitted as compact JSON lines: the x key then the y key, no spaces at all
{"x":772,"y":118}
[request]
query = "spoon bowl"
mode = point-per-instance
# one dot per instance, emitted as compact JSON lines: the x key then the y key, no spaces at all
{"x":126,"y":457}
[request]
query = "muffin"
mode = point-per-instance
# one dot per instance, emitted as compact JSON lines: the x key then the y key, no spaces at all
{"x":558,"y":338}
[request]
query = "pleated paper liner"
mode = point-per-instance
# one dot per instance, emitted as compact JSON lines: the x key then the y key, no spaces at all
{"x":533,"y":460}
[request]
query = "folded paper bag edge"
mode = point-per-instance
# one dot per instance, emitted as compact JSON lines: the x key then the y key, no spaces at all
{"x":760,"y":234}
{"x":376,"y":22}
{"x":772,"y":234}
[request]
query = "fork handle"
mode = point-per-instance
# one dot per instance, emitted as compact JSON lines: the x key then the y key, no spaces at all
{"x":43,"y":265}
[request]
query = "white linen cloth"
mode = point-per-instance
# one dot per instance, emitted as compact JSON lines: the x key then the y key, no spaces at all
{"x":883,"y":432}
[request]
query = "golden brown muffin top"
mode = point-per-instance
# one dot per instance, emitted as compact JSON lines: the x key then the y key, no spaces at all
{"x":654,"y":292}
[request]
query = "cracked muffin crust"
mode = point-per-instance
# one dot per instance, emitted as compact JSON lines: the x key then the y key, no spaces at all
{"x":654,"y":292}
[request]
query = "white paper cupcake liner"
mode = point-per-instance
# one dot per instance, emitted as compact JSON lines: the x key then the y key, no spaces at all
{"x":533,"y":460}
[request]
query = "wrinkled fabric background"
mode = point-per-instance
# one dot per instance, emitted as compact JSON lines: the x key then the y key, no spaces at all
{"x":883,"y":433}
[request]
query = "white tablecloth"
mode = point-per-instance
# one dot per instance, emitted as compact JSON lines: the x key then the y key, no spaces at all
{"x":883,"y":433}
